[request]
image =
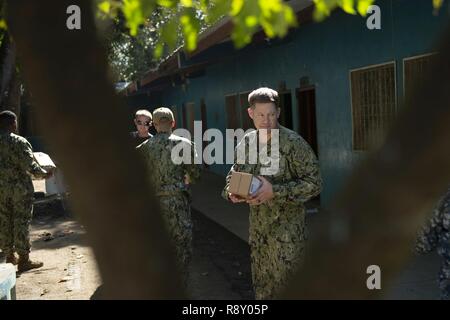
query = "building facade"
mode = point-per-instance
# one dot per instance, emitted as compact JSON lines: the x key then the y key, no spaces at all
{"x":341,"y":83}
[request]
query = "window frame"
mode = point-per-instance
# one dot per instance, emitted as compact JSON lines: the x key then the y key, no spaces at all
{"x":390,"y":62}
{"x":404,"y":60}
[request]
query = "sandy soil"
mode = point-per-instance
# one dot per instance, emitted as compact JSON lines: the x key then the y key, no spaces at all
{"x":69,"y":270}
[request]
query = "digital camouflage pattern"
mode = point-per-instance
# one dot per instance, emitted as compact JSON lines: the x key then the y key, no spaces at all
{"x":277,"y":227}
{"x":173,"y":193}
{"x":17,"y":165}
{"x":436,"y":235}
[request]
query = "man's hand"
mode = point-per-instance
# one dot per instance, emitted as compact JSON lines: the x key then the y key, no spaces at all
{"x":50,"y":173}
{"x":264,"y":194}
{"x":235,"y":198}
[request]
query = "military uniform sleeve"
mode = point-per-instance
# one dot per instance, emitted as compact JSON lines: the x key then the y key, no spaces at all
{"x":142,"y":151}
{"x":428,"y":237}
{"x":28,"y":162}
{"x":193,"y":169}
{"x":305,"y":168}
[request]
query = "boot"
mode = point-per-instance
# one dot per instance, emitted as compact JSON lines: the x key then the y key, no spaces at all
{"x":26,"y":264}
{"x":11,"y":258}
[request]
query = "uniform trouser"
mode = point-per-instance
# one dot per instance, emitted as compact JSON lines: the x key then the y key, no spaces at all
{"x":15,"y":218}
{"x":444,"y":274}
{"x":277,"y":251}
{"x":444,"y":280}
{"x":177,"y":215}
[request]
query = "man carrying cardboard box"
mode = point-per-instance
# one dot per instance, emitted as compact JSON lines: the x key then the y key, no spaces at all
{"x":277,"y":212}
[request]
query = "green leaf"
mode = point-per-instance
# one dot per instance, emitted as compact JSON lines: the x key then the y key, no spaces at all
{"x":136,"y":12}
{"x":167,"y":3}
{"x":437,"y":4}
{"x":158,"y":51}
{"x":186,"y":3}
{"x":105,"y":7}
{"x":3,"y":24}
{"x":169,"y":33}
{"x":348,"y":6}
{"x":323,"y":9}
{"x":191,"y":27}
{"x":203,"y":5}
{"x":236,"y":7}
{"x":251,"y":21}
{"x":218,"y":9}
{"x":241,"y":35}
{"x":132,"y":11}
{"x":147,"y":7}
{"x":363,"y":5}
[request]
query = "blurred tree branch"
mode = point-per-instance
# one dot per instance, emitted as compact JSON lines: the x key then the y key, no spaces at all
{"x":85,"y":125}
{"x":373,"y":221}
{"x":377,"y":215}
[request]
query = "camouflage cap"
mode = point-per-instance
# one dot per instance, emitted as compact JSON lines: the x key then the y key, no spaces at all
{"x":163,"y":115}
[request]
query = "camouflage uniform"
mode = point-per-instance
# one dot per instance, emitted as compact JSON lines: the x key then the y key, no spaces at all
{"x":436,"y":234}
{"x":277,"y":227}
{"x":171,"y":190}
{"x":17,"y":163}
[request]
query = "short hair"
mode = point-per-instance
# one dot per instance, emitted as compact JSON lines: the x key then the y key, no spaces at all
{"x":143,"y":112}
{"x":263,"y":95}
{"x":163,"y":119}
{"x":162,"y":115}
{"x":7,"y":118}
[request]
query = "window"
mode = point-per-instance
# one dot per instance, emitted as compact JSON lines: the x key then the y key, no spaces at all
{"x":286,"y":109}
{"x":247,"y":122}
{"x":373,"y":98}
{"x":415,"y":69}
{"x":189,"y":117}
{"x":231,"y":112}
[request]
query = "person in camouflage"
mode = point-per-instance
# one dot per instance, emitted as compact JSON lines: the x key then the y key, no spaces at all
{"x":143,"y":123}
{"x":436,"y":235}
{"x":277,"y":232}
{"x":17,"y":163}
{"x":171,"y":179}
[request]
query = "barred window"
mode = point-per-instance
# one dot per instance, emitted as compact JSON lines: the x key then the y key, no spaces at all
{"x":236,"y":106}
{"x":415,"y":69}
{"x":231,"y":112}
{"x":374,"y":104}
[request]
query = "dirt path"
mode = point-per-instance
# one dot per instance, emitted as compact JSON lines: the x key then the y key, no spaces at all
{"x":220,"y":268}
{"x":221,"y":263}
{"x":69,"y":270}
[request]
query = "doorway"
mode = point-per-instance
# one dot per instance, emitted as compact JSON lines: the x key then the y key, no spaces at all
{"x":306,"y":99}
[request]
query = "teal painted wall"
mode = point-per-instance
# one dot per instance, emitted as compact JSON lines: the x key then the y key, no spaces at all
{"x":325,"y":52}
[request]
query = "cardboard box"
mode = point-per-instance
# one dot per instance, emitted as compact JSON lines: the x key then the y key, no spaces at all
{"x":44,"y":160}
{"x":244,"y":184}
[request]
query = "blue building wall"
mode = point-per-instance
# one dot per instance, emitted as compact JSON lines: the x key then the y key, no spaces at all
{"x":325,"y":52}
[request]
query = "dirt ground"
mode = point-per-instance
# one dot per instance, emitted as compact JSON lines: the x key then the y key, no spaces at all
{"x":221,"y":263}
{"x":220,"y":268}
{"x":70,"y":270}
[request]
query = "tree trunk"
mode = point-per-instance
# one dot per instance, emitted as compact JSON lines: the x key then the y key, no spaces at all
{"x":375,"y":219}
{"x":85,"y":125}
{"x":8,"y":67}
{"x":13,"y":99}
